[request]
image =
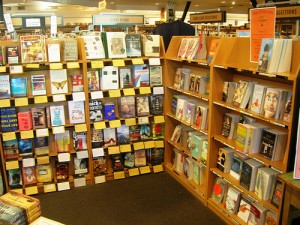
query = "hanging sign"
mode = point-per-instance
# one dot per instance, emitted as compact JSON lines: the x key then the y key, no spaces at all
{"x":211,"y":17}
{"x":117,"y":19}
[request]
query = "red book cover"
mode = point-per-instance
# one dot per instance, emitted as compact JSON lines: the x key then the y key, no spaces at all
{"x":25,"y":120}
{"x":29,"y":176}
{"x":77,"y":83}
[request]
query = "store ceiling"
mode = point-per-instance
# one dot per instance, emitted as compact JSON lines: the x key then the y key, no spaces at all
{"x":239,"y":6}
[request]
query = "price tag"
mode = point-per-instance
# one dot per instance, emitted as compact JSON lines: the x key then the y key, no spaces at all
{"x":33,"y":66}
{"x":43,"y":160}
{"x":114,"y":123}
{"x":113,"y":150}
{"x":79,"y":182}
{"x":130,"y":122}
{"x":143,"y":120}
{"x":97,"y":152}
{"x":58,"y":130}
{"x":97,"y":64}
{"x":125,"y":148}
{"x":31,"y":190}
{"x":64,"y":157}
{"x":59,"y":98}
{"x":56,"y":66}
{"x":78,"y":96}
{"x":154,"y":61}
{"x":8,"y":136}
{"x":100,"y":179}
{"x":73,"y":65}
{"x":99,"y":125}
{"x":21,"y":101}
{"x":137,"y":61}
{"x":27,"y":134}
{"x":12,"y":165}
{"x":145,"y":90}
{"x":158,"y":168}
{"x":80,"y":128}
{"x":27,"y":162}
{"x":5,"y":103}
{"x":158,"y":90}
{"x":96,"y":94}
{"x":138,"y":145}
{"x":119,"y":175}
{"x":44,"y":132}
{"x":114,"y":93}
{"x":134,"y":172}
{"x":118,"y":62}
{"x":145,"y":169}
{"x":2,"y":69}
{"x":40,"y":99}
{"x":82,"y":154}
{"x":49,"y":188}
{"x":149,"y":144}
{"x":16,"y":69}
{"x":63,"y":186}
{"x":159,"y":119}
{"x":159,"y":144}
{"x":128,"y":91}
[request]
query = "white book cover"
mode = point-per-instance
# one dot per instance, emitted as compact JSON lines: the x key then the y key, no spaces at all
{"x":192,"y":48}
{"x":38,"y":84}
{"x":109,"y":135}
{"x":155,"y":75}
{"x":4,"y":86}
{"x":109,"y":78}
{"x":275,"y":56}
{"x":265,"y":182}
{"x":116,"y":44}
{"x":59,"y":81}
{"x":286,"y":56}
{"x":181,"y":104}
{"x":57,"y":115}
{"x":76,"y":112}
{"x":183,"y":47}
{"x":232,"y":200}
{"x":93,"y":47}
{"x":258,"y":96}
{"x":151,"y":45}
{"x":176,"y":133}
{"x":244,"y":210}
{"x":54,"y":52}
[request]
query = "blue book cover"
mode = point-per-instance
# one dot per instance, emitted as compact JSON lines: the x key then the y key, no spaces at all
{"x":9,"y":120}
{"x":265,"y":54}
{"x":109,"y":111}
{"x":25,"y":147}
{"x":18,"y":87}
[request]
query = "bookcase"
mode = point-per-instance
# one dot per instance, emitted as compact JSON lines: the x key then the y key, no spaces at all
{"x":77,"y":150}
{"x":231,"y":62}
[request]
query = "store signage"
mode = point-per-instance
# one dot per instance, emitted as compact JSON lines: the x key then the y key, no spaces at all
{"x":212,"y":17}
{"x":117,"y":19}
{"x":8,"y":22}
{"x":288,"y":12}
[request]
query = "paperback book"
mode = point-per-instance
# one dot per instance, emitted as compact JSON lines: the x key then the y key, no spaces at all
{"x":41,"y":146}
{"x":232,"y":200}
{"x":38,"y":84}
{"x":128,"y":159}
{"x":133,"y":45}
{"x":225,"y":159}
{"x":25,"y":120}
{"x":141,"y":75}
{"x":80,"y":166}
{"x":93,"y":80}
{"x":59,"y":81}
{"x":15,"y":178}
{"x":110,"y":138}
{"x":127,"y":106}
{"x":33,"y":48}
{"x":44,"y":173}
{"x":70,"y":50}
{"x":25,"y":147}
{"x":79,"y":141}
{"x":109,"y":110}
{"x":97,"y":138}
{"x":62,"y":171}
{"x":157,"y":156}
{"x":116,"y":45}
{"x":4,"y":86}
{"x":96,"y":111}
{"x":10,"y":149}
{"x":228,"y":91}
{"x":134,"y":133}
{"x":18,"y":87}
{"x":109,"y":78}
{"x":77,"y":82}
{"x":151,"y":45}
{"x":12,"y":55}
{"x":258,"y":97}
{"x":53,"y":52}
{"x":158,"y":130}
{"x":155,"y":73}
{"x":142,"y":106}
{"x":9,"y":120}
{"x":99,"y":166}
{"x":62,"y":142}
{"x":219,"y":190}
{"x":29,"y":176}
{"x":117,"y":162}
{"x":140,"y":158}
{"x":39,"y":119}
{"x":125,"y":77}
{"x":156,"y":104}
{"x":123,"y":135}
{"x":57,"y":114}
{"x":145,"y":132}
{"x":76,"y":112}
{"x":93,"y":47}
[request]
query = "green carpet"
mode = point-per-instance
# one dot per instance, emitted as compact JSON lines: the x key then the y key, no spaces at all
{"x":152,"y":199}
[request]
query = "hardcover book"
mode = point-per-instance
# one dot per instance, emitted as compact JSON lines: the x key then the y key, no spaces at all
{"x":62,"y":171}
{"x":142,"y":106}
{"x":228,"y":91}
{"x":212,"y":50}
{"x":62,"y":142}
{"x":116,"y":44}
{"x":12,"y":54}
{"x":93,"y":47}
{"x":141,"y":75}
{"x":123,"y":135}
{"x":77,"y":82}
{"x":15,"y":178}
{"x":151,"y":45}
{"x":25,"y":120}
{"x":93,"y":80}
{"x":140,"y":158}
{"x":96,"y":113}
{"x":25,"y":147}
{"x":39,"y":119}
{"x":9,"y":121}
{"x":97,"y":138}
{"x":125,"y":77}
{"x":265,"y":183}
{"x":10,"y":149}
{"x":80,"y":166}
{"x":53,"y":52}
{"x":225,"y":159}
{"x":38,"y":84}
{"x":57,"y":114}
{"x":109,"y":78}
{"x":249,"y":172}
{"x":44,"y":173}
{"x":232,"y":200}
{"x":156,"y":104}
{"x":244,"y":209}
{"x":229,"y":126}
{"x":271,"y":218}
{"x":155,"y":73}
{"x":99,"y":166}
{"x":257,"y":214}
{"x":76,"y":112}
{"x":70,"y":50}
{"x":134,"y":133}
{"x":59,"y":81}
{"x":41,"y":146}
{"x":157,"y":156}
{"x":117,"y":162}
{"x":33,"y":48}
{"x":79,"y":141}
{"x":128,"y":159}
{"x":145,"y":132}
{"x":158,"y":130}
{"x":133,"y":45}
{"x":4,"y":86}
{"x":18,"y":87}
{"x":277,"y":194}
{"x":242,"y":94}
{"x":127,"y":106}
{"x":219,"y":190}
{"x":29,"y":176}
{"x":110,"y":138}
{"x":258,"y":97}
{"x":109,"y":111}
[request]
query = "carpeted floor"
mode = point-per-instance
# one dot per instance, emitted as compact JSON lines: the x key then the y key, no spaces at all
{"x":152,"y":199}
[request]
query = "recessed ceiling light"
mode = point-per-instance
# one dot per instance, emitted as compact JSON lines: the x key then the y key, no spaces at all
{"x":233,"y":3}
{"x":196,"y":5}
{"x":157,"y":3}
{"x":223,"y":2}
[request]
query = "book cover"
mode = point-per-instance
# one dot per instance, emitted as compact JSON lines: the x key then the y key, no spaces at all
{"x":224,"y":160}
{"x":53,"y":52}
{"x":125,"y":77}
{"x":157,"y":156}
{"x":258,"y":97}
{"x":25,"y":147}
{"x":116,"y":45}
{"x":127,"y":106}
{"x":229,"y":126}
{"x":99,"y":166}
{"x":38,"y":84}
{"x":219,"y":190}
{"x":133,"y":45}
{"x":271,"y":218}
{"x":236,"y":167}
{"x":240,"y":93}
{"x":244,"y":209}
{"x":155,"y":73}
{"x":96,"y":111}
{"x":29,"y":176}
{"x":288,"y":108}
{"x":18,"y":87}
{"x":33,"y":48}
{"x":10,"y":149}
{"x":158,"y":130}
{"x":183,"y":47}
{"x":140,"y":158}
{"x":41,"y":146}
{"x":93,"y":47}
{"x":117,"y":162}
{"x":44,"y":173}
{"x":242,"y":137}
{"x":201,"y":117}
{"x":62,"y":142}
{"x":59,"y":81}
{"x":12,"y":54}
{"x":11,"y":214}
{"x":109,"y":110}
{"x":265,"y":183}
{"x":2,"y":56}
{"x":80,"y":166}
{"x":142,"y":106}
{"x":151,"y":45}
{"x":4,"y":86}
{"x":277,"y":194}
{"x":145,"y":132}
{"x":62,"y":171}
{"x":192,"y":82}
{"x":70,"y":50}
{"x":189,"y":112}
{"x":15,"y":178}
{"x":249,"y":172}
{"x":128,"y":159}
{"x":195,"y":144}
{"x":156,"y":104}
{"x":76,"y":112}
{"x":271,"y":102}
{"x":79,"y":141}
{"x":77,"y":82}
{"x":97,"y":138}
{"x":141,"y":77}
{"x":123,"y":135}
{"x":176,"y":134}
{"x":192,"y":48}
{"x":212,"y":50}
{"x":203,"y":153}
{"x":188,"y":168}
{"x":257,"y":214}
{"x":181,"y":105}
{"x":93,"y":80}
{"x":109,"y":78}
{"x":232,"y":200}
{"x":265,"y":54}
{"x":9,"y":121}
{"x":24,"y":120}
{"x":110,"y":138}
{"x":57,"y":114}
{"x":134,"y":133}
{"x":228,"y":91}
{"x":39,"y":119}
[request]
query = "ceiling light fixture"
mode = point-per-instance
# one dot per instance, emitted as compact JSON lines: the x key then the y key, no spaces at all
{"x":102,"y":5}
{"x":233,"y":3}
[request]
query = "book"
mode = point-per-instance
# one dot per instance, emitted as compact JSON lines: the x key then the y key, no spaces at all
{"x":151,"y":45}
{"x":125,"y":77}
{"x":29,"y":176}
{"x":41,"y":146}
{"x":44,"y":173}
{"x":4,"y":86}
{"x":77,"y":82}
{"x":181,"y":105}
{"x":284,"y":64}
{"x":155,"y":73}
{"x":80,"y":166}
{"x":24,"y":120}
{"x":265,"y":53}
{"x":265,"y":183}
{"x":117,"y":162}
{"x":141,"y":75}
{"x":188,"y":169}
{"x":9,"y":121}
{"x":212,"y":50}
{"x":62,"y":142}
{"x":109,"y":78}
{"x":244,"y":209}
{"x":18,"y":87}
{"x":271,"y":218}
{"x":229,"y":126}
{"x":254,"y":137}
{"x":79,"y":141}
{"x":203,"y":153}
{"x":93,"y":46}
{"x":258,"y":97}
{"x":142,"y":106}
{"x":39,"y":119}
{"x":96,"y":110}
{"x":45,"y":221}
{"x":192,"y":48}
{"x":97,"y":138}
{"x":228,"y":91}
{"x":257,"y":214}
{"x":12,"y":54}
{"x":224,"y":160}
{"x":156,"y":104}
{"x":15,"y":178}
{"x":33,"y":48}
{"x":11,"y":214}
{"x":145,"y":132}
{"x":249,"y":172}
{"x":192,"y":82}
{"x":76,"y":112}
{"x":140,"y":158}
{"x":242,"y":93}
{"x":176,"y":134}
{"x":195,"y":143}
{"x":70,"y":50}
{"x":133,"y":45}
{"x":38,"y":85}
{"x":198,"y":173}
{"x":288,"y":108}
{"x":53,"y":52}
{"x":201,"y":117}
{"x":201,"y":53}
{"x":10,"y":149}
{"x":62,"y":171}
{"x":57,"y":115}
{"x":123,"y":135}
{"x":59,"y":81}
{"x":183,"y":47}
{"x":110,"y":138}
{"x":158,"y":130}
{"x":93,"y":80}
{"x":219,"y":190}
{"x":134,"y":133}
{"x":127,"y":106}
{"x":277,"y":194}
{"x":116,"y":45}
{"x":236,"y":167}
{"x":157,"y":156}
{"x":189,"y":112}
{"x":109,"y":110}
{"x":25,"y":147}
{"x":2,"y":56}
{"x":99,"y":166}
{"x":128,"y":159}
{"x":233,"y":198}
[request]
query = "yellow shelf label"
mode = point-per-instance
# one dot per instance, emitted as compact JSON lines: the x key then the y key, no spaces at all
{"x":99,"y":125}
{"x":27,"y":134}
{"x":125,"y":148}
{"x":2,"y":69}
{"x":114,"y":123}
{"x":31,"y":190}
{"x":159,"y":144}
{"x":80,"y":128}
{"x":40,"y":99}
{"x":49,"y":188}
{"x":5,"y":103}
{"x":128,"y":91}
{"x":73,"y":65}
{"x":10,"y":165}
{"x":58,"y":130}
{"x":113,"y":150}
{"x":145,"y":90}
{"x":100,"y":179}
{"x":130,"y":122}
{"x":8,"y":136}
{"x":56,"y":66}
{"x":134,"y":172}
{"x":59,"y":98}
{"x":145,"y":169}
{"x":159,"y":119}
{"x":119,"y":175}
{"x":138,"y":145}
{"x":118,"y":62}
{"x":97,"y":64}
{"x":149,"y":144}
{"x":44,"y":132}
{"x":158,"y":168}
{"x":114,"y":93}
{"x":33,"y":66}
{"x":43,"y":160}
{"x":137,"y":61}
{"x":21,"y":101}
